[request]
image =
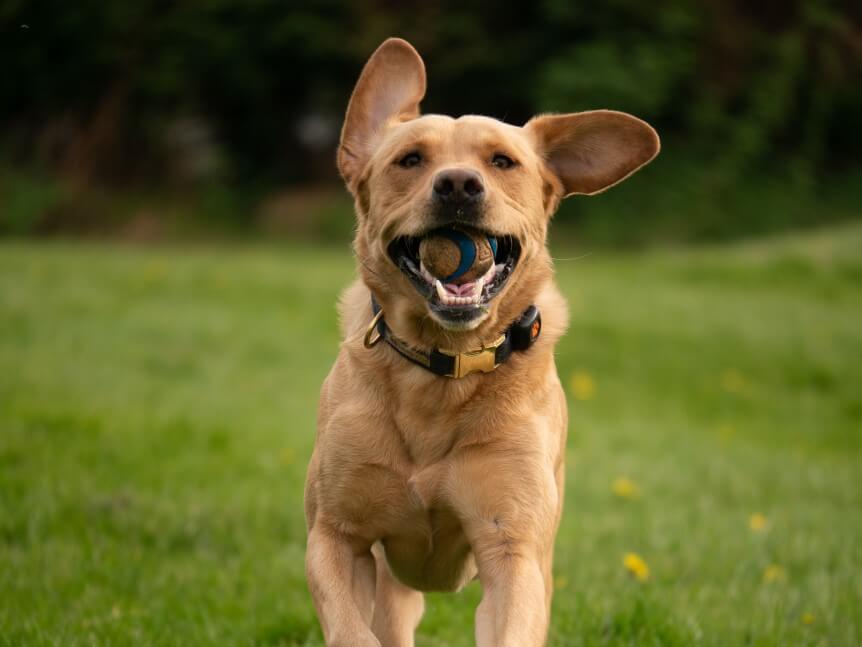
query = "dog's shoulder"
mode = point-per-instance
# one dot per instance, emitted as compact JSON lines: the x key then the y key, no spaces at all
{"x":555,"y":312}
{"x":354,"y":309}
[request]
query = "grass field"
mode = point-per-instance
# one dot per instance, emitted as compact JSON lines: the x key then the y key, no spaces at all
{"x":157,"y":412}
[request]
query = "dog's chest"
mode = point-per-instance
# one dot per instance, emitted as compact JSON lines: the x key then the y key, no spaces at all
{"x":433,"y":554}
{"x":427,"y":549}
{"x":406,"y":508}
{"x":394,"y":483}
{"x":429,"y":428}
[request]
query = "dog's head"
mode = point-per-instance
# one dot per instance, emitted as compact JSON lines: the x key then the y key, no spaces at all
{"x":413,"y":174}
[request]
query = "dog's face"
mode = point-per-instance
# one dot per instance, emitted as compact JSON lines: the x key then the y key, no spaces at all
{"x":413,"y":174}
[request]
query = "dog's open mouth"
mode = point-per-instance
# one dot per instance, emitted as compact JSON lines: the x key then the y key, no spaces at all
{"x":456,"y":301}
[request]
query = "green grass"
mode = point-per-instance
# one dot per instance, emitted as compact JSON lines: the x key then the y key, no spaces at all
{"x":157,"y":411}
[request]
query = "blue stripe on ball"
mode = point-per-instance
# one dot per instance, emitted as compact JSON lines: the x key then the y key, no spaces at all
{"x":467,"y":249}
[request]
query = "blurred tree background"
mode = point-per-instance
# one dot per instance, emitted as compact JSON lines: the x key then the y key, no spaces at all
{"x":153,"y":119}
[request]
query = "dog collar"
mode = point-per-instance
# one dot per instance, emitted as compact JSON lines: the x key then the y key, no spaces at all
{"x":448,"y":363}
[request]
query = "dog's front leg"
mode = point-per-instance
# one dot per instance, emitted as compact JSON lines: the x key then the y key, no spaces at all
{"x":510,"y":523}
{"x":513,"y":611}
{"x":341,"y":574}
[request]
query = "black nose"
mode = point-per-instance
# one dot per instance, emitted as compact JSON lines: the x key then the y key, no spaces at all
{"x":458,"y":186}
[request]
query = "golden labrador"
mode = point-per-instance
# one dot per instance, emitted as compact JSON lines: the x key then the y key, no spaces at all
{"x":442,"y":425}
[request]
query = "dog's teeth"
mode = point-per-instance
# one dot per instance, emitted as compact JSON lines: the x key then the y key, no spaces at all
{"x":477,"y":289}
{"x":424,"y":273}
{"x":449,"y":299}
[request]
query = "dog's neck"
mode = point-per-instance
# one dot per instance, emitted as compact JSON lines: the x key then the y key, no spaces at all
{"x":519,"y":337}
{"x":356,"y":314}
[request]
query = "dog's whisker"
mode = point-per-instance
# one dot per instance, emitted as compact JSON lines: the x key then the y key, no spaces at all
{"x":572,"y":258}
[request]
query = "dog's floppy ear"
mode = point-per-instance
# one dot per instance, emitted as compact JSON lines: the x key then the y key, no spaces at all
{"x":591,"y":151}
{"x":390,"y":87}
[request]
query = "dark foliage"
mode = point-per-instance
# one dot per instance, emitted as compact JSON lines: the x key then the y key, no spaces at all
{"x":253,"y":92}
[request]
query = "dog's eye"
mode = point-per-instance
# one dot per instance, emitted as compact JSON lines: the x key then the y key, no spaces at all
{"x":410,"y":160}
{"x":502,"y":161}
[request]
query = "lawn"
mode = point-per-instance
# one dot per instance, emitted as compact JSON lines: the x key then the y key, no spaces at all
{"x":157,"y":411}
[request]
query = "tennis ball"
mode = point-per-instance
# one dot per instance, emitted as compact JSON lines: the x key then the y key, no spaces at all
{"x":457,"y":255}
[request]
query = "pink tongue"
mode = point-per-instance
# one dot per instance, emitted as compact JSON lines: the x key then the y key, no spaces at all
{"x":460,"y":290}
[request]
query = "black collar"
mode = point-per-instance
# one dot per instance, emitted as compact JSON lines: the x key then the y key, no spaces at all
{"x":518,"y":337}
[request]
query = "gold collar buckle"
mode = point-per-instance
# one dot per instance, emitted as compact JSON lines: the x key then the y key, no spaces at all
{"x":482,"y":360}
{"x":372,"y":335}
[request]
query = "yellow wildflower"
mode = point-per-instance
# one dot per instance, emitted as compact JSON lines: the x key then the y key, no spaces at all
{"x":808,"y":618}
{"x":582,"y":385}
{"x":635,"y":565}
{"x":625,"y":488}
{"x":757,"y":522}
{"x":774,"y":573}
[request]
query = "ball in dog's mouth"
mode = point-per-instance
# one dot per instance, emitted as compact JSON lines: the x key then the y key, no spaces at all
{"x":457,"y":256}
{"x":458,"y":282}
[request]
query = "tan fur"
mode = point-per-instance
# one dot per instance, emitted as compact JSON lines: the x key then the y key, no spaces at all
{"x":419,"y":482}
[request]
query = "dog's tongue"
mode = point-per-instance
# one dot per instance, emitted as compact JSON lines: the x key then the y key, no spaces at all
{"x":460,"y":290}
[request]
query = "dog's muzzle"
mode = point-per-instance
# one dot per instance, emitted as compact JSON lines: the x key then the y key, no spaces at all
{"x":457,"y":304}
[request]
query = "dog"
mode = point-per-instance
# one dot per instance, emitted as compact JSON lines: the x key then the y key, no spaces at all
{"x":442,"y":424}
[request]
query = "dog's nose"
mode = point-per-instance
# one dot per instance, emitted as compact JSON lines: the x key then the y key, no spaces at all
{"x":458,"y":186}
